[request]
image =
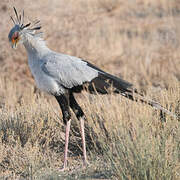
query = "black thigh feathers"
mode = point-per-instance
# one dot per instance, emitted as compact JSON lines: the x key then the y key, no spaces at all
{"x":67,"y":101}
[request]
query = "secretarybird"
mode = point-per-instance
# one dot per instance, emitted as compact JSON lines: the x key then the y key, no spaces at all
{"x":62,"y":75}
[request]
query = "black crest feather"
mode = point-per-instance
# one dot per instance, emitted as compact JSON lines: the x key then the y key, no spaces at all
{"x":16,"y":14}
{"x":20,"y":21}
{"x":12,"y":20}
{"x":27,"y":25}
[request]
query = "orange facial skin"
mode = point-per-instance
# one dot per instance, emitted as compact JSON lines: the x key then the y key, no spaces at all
{"x":15,"y":38}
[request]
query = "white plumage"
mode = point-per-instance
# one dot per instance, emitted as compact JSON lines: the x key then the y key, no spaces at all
{"x":62,"y":75}
{"x":53,"y":72}
{"x":68,"y":71}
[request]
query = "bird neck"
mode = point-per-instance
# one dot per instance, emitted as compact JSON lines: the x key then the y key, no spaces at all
{"x":35,"y":45}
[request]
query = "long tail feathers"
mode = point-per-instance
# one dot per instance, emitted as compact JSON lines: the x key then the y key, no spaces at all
{"x":154,"y":104}
{"x":105,"y":81}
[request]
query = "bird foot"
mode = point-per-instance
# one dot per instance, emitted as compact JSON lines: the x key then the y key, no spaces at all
{"x":65,"y":167}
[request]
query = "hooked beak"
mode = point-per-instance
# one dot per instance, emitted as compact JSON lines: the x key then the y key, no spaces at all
{"x":14,"y":43}
{"x":14,"y":46}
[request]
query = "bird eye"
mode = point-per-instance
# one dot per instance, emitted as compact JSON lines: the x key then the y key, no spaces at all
{"x":15,"y":36}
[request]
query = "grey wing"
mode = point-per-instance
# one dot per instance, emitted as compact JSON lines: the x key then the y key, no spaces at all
{"x":68,"y":71}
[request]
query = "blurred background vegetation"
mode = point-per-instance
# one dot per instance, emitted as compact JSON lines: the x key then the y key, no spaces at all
{"x":138,"y":41}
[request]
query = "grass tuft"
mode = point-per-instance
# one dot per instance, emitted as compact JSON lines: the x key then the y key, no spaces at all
{"x":135,"y":40}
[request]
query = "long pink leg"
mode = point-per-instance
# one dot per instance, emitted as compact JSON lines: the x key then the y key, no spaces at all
{"x":66,"y":144}
{"x":83,"y":141}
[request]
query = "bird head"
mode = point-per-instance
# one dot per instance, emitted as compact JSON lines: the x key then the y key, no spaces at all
{"x":17,"y":33}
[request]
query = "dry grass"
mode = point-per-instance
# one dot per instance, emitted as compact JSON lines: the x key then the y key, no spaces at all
{"x":137,"y":40}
